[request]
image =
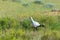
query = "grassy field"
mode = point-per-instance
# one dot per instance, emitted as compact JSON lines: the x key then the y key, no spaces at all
{"x":15,"y":21}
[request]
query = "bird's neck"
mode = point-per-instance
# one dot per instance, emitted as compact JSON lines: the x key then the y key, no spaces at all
{"x":32,"y":19}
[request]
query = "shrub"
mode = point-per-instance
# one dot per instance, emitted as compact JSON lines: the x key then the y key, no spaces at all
{"x":25,"y":4}
{"x":16,"y":0}
{"x":38,"y":2}
{"x":50,"y":5}
{"x":6,"y":23}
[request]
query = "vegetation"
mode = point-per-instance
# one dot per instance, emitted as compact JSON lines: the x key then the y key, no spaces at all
{"x":15,"y":21}
{"x":51,"y":6}
{"x":38,"y":2}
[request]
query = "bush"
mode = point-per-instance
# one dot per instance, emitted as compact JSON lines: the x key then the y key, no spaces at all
{"x":25,"y":4}
{"x":16,"y":0}
{"x":7,"y":23}
{"x":13,"y":0}
{"x":50,"y":5}
{"x":38,"y":2}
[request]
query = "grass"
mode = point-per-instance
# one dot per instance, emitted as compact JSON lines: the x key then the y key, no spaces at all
{"x":15,"y":21}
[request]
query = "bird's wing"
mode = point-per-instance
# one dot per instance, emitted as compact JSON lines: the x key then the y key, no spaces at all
{"x":36,"y":23}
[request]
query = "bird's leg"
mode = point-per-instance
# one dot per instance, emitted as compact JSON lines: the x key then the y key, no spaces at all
{"x":35,"y":28}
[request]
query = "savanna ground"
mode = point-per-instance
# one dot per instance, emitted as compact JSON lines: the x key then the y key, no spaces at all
{"x":15,"y":21}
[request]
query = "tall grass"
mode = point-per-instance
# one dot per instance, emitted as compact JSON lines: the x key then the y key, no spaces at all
{"x":20,"y":28}
{"x":15,"y":21}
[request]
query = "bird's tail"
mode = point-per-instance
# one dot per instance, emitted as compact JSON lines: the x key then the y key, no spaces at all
{"x":42,"y":25}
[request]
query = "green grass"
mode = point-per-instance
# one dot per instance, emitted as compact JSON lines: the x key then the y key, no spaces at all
{"x":15,"y":21}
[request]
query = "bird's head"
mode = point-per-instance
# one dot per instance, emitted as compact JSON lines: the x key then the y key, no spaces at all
{"x":30,"y":17}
